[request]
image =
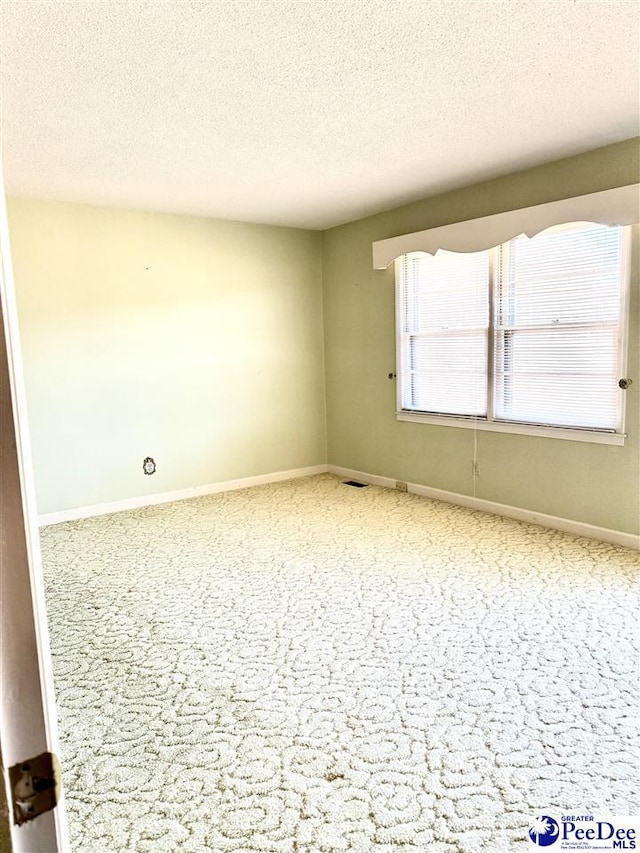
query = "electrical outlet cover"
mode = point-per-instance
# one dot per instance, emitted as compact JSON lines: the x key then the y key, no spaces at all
{"x":149,"y":465}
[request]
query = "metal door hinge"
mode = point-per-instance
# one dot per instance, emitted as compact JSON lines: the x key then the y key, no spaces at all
{"x":34,"y":786}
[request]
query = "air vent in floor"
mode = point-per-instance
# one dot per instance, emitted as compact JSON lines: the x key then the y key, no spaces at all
{"x":354,"y":484}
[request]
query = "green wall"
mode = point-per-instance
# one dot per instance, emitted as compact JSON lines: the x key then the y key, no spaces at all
{"x":592,"y":483}
{"x":200,"y":342}
{"x":195,"y":341}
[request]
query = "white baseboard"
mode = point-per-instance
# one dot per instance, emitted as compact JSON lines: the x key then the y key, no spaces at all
{"x":360,"y":476}
{"x":578,"y":528}
{"x":178,"y":495}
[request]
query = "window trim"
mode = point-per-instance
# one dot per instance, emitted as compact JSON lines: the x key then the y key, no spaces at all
{"x":617,"y":206}
{"x":567,"y":433}
{"x":491,"y":424}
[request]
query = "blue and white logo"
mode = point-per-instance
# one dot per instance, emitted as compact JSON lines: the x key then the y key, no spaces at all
{"x":544,"y":831}
{"x":583,"y":832}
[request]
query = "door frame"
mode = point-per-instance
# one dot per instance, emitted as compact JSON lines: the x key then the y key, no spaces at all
{"x":28,"y":719}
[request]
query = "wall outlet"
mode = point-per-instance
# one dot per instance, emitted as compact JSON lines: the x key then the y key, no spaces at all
{"x":149,"y":465}
{"x":400,"y":486}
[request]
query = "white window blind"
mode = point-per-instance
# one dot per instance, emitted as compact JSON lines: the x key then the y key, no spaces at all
{"x":558,"y":312}
{"x":529,"y":332}
{"x":445,"y":326}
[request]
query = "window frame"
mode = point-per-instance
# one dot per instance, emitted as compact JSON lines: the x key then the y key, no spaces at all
{"x":489,"y":422}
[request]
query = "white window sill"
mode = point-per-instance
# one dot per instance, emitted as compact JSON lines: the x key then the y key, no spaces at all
{"x":518,"y":429}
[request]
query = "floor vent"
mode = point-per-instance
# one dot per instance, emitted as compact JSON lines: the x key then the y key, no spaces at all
{"x":354,"y":484}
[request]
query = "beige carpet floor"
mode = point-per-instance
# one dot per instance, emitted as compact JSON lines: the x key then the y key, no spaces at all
{"x":307,"y":668}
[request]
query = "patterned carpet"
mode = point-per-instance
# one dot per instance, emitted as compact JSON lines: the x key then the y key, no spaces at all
{"x":308,"y":667}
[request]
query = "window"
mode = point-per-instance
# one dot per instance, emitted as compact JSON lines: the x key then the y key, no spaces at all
{"x":529,"y":333}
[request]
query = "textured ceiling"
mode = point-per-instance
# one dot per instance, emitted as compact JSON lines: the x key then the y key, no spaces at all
{"x":305,"y":112}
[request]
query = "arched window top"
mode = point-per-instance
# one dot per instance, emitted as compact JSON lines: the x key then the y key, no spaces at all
{"x":619,"y":206}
